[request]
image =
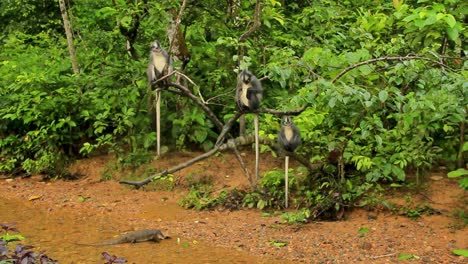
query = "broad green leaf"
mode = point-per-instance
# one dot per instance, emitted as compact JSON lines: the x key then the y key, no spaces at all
{"x":452,"y":33}
{"x":460,"y":252}
{"x":8,"y":237}
{"x":277,"y":243}
{"x":463,"y":183}
{"x":403,"y":256}
{"x":383,"y":95}
{"x":450,"y":20}
{"x":363,"y":230}
{"x":457,"y":173}
{"x":201,"y":135}
{"x":465,"y":146}
{"x":261,"y":204}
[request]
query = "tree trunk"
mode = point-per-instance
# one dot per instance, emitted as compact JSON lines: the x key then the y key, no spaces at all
{"x":71,"y":47}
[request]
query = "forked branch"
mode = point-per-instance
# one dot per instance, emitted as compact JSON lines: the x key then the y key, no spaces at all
{"x":230,"y":144}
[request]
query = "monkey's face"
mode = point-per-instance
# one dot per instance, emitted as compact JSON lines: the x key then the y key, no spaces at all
{"x":156,"y":47}
{"x":286,"y":121}
{"x":245,"y":77}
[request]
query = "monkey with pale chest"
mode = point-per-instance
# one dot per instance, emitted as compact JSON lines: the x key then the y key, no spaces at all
{"x":159,"y":63}
{"x":289,"y":137}
{"x":249,"y":92}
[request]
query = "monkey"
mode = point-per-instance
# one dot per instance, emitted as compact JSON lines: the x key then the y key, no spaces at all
{"x":289,"y":139}
{"x":249,"y":94}
{"x":159,"y":65}
{"x":159,"y":62}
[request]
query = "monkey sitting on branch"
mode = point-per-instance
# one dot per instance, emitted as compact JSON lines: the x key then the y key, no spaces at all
{"x":249,"y":94}
{"x":159,"y":65}
{"x":289,"y":139}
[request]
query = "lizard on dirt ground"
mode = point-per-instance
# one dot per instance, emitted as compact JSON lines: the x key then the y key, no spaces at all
{"x":134,"y":237}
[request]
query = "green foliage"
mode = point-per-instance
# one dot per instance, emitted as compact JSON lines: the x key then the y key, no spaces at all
{"x":200,"y":198}
{"x":460,"y":252}
{"x":414,"y":211}
{"x":463,"y":182}
{"x":48,"y":116}
{"x":9,"y":237}
{"x":384,"y":84}
{"x":296,"y":217}
{"x":405,"y":256}
{"x":462,"y":217}
{"x":165,"y":182}
{"x":277,"y":243}
{"x":363,"y":230}
{"x":270,"y":193}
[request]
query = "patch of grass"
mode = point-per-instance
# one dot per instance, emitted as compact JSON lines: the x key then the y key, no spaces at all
{"x":363,"y":230}
{"x":108,"y":172}
{"x":277,"y":243}
{"x":299,"y":217}
{"x":461,"y":218}
{"x":163,"y":182}
{"x":415,"y":211}
{"x":200,"y":198}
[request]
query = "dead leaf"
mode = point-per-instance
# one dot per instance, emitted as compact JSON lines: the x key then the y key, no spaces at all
{"x":34,"y":197}
{"x":436,"y":178}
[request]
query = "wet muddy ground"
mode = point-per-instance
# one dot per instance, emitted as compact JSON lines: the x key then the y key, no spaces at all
{"x":55,"y":215}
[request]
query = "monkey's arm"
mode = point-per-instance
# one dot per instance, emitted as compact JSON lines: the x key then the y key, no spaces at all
{"x":297,"y":136}
{"x":151,"y":73}
{"x":254,"y":96}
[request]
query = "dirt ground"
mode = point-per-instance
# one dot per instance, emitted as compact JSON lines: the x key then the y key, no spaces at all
{"x":55,"y":215}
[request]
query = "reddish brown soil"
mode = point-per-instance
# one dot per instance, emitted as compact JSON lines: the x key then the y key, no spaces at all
{"x":53,"y":217}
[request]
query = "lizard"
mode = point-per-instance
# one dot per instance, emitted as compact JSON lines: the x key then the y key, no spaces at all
{"x":134,"y":237}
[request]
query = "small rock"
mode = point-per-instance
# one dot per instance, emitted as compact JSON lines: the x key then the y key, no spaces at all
{"x":426,"y":259}
{"x":371,"y":217}
{"x":366,"y":245}
{"x":428,"y":249}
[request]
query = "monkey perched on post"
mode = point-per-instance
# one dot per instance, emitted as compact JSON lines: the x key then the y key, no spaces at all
{"x":159,"y":65}
{"x":249,"y":94}
{"x":289,"y":139}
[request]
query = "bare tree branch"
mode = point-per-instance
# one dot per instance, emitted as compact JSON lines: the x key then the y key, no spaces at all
{"x":255,"y":25}
{"x":281,"y":113}
{"x":203,"y":106}
{"x":138,"y":184}
{"x":213,"y":118}
{"x":231,"y":144}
